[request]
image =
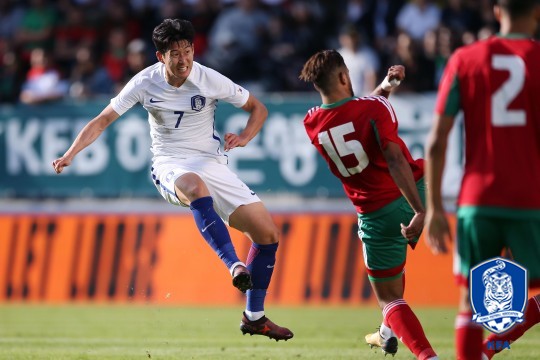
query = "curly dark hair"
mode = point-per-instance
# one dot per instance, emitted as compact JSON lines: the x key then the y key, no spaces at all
{"x":170,"y":31}
{"x":320,"y":68}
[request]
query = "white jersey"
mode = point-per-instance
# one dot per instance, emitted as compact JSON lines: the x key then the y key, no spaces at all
{"x":181,"y":119}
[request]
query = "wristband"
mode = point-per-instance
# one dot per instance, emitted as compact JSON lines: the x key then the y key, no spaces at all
{"x":389,"y":85}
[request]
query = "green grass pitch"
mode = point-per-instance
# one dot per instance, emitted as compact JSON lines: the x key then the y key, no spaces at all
{"x":150,"y":332}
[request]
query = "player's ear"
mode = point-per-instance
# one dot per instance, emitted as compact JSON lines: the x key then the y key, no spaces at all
{"x":159,"y":56}
{"x":497,"y":12}
{"x":343,"y":77}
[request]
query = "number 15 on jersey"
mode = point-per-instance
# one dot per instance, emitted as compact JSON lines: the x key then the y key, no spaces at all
{"x":336,"y":136}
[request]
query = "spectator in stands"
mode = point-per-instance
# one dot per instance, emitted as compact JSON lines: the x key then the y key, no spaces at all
{"x":88,"y":78}
{"x":418,"y":17}
{"x":420,"y":69}
{"x":11,"y":15}
{"x":361,"y":60}
{"x":137,"y":59}
{"x":72,"y":32}
{"x":10,"y":79}
{"x":204,"y":14}
{"x":235,"y":41}
{"x":281,"y":55}
{"x":118,"y":14}
{"x":36,"y":27}
{"x":43,"y":82}
{"x":458,"y":16}
{"x":115,"y":57}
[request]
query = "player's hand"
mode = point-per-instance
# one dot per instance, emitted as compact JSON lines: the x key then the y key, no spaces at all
{"x":60,"y":163}
{"x":437,"y":232}
{"x":396,"y":72}
{"x":234,"y":140}
{"x":415,"y":227}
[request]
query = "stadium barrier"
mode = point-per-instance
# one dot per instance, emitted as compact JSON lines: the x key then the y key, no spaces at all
{"x":162,"y":259}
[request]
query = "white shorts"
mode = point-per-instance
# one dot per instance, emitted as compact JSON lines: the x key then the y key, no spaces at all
{"x":226,"y":188}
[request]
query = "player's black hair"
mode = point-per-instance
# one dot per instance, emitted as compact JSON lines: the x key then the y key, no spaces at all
{"x":170,"y":31}
{"x":518,"y":8}
{"x":320,"y":69}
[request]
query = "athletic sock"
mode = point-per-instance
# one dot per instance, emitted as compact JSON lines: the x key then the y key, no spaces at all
{"x":213,"y":229}
{"x":405,"y":324}
{"x":468,"y":337}
{"x":260,"y":263}
{"x":254,"y":315}
{"x":386,"y":332}
{"x":531,"y":318}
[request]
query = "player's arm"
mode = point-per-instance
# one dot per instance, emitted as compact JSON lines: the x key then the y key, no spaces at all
{"x":86,"y":136}
{"x":403,"y":177}
{"x":437,"y":229}
{"x":395,"y":75}
{"x":257,"y":116}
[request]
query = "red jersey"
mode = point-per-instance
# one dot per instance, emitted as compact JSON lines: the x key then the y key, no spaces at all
{"x":496,"y":83}
{"x":350,"y":135}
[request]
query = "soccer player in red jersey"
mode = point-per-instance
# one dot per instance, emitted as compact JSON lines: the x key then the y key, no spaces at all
{"x":358,"y":138}
{"x":495,"y":83}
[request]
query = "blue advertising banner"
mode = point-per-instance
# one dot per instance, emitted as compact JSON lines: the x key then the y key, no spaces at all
{"x":280,"y":160}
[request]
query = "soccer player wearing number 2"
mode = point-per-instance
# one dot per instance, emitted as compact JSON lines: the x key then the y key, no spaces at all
{"x":496,"y":84}
{"x":358,"y":138}
{"x":188,"y":166}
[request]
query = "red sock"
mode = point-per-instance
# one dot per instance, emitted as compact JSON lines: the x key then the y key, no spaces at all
{"x":469,"y":337}
{"x":406,"y":326}
{"x":532,"y":317}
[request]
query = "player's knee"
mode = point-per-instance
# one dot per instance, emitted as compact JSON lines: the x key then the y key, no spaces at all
{"x":193,"y":189}
{"x":268,"y":235}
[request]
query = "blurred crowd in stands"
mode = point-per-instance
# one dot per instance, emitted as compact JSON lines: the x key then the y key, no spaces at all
{"x":81,"y":49}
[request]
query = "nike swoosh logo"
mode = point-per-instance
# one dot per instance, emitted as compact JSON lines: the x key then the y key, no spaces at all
{"x":155,"y":101}
{"x":269,"y":266}
{"x":207,"y":226}
{"x":252,"y":193}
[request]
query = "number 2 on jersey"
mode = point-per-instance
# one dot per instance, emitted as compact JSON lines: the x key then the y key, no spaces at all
{"x":510,"y":89}
{"x":343,"y":148}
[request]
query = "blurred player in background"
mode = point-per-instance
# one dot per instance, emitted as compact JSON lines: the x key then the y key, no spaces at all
{"x":188,"y":166}
{"x":358,"y":138}
{"x":496,"y":83}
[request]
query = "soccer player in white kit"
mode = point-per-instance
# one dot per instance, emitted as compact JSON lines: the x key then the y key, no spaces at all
{"x":188,"y":166}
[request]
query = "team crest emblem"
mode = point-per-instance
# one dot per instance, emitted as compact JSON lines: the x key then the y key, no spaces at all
{"x":198,"y":102}
{"x":498,"y":294}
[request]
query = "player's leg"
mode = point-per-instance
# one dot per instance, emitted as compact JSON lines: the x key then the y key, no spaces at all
{"x":256,"y":223}
{"x":385,"y":251}
{"x":523,"y":239}
{"x":192,"y":190}
{"x":400,"y":318}
{"x":478,"y":239}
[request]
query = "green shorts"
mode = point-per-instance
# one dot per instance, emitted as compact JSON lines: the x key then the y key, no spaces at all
{"x":384,"y":248}
{"x":486,"y":232}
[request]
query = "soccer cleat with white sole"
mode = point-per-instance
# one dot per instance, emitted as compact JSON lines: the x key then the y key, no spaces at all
{"x":388,"y":346}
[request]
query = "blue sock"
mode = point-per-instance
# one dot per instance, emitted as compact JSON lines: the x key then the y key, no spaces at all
{"x":260,"y":263}
{"x":213,"y":229}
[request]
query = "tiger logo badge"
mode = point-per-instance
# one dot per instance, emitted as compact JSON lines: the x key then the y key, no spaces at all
{"x":198,"y":102}
{"x":498,"y":294}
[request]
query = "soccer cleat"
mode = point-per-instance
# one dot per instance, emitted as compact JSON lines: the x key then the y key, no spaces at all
{"x":264,"y":327}
{"x":389,"y":346}
{"x":241,"y":278}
